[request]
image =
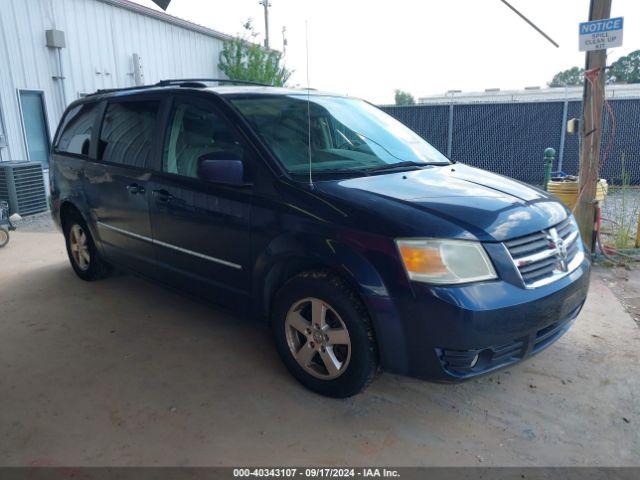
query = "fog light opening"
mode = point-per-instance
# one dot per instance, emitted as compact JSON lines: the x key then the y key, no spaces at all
{"x":474,"y":361}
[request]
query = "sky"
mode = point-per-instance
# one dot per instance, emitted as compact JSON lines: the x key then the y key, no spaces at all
{"x":369,"y":48}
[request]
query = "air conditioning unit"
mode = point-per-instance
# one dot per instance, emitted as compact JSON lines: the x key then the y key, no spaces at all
{"x":22,"y":185}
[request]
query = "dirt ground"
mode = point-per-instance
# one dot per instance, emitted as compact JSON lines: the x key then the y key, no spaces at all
{"x":124,"y":372}
{"x":625,"y":284}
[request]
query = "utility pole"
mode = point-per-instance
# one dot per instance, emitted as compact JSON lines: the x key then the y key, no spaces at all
{"x":266,"y":4}
{"x":285,"y":42}
{"x":591,"y":129}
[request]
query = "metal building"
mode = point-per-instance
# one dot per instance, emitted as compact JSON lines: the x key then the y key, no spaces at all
{"x":55,"y":51}
{"x":528,"y":94}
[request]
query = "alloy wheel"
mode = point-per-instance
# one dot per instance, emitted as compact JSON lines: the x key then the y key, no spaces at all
{"x":318,"y":338}
{"x":78,"y":243}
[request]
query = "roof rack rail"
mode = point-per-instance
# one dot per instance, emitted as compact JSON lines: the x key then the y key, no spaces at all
{"x":179,"y":81}
{"x":122,"y":89}
{"x":186,"y":82}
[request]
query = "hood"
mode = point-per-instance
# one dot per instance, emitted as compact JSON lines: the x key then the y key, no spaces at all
{"x":486,"y":205}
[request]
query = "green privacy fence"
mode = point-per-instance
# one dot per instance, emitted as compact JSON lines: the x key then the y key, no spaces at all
{"x":510,"y":138}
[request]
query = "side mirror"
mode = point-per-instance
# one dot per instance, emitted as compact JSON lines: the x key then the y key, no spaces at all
{"x":221,"y":167}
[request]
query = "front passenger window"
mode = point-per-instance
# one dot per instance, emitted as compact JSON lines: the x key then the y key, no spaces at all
{"x":195,"y":131}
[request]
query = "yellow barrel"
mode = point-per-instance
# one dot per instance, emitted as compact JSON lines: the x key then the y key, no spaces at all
{"x":567,"y":191}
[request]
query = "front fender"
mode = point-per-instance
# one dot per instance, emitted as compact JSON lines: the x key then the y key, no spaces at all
{"x":295,"y":252}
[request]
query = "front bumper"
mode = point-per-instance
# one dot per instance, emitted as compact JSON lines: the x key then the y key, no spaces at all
{"x":450,"y":334}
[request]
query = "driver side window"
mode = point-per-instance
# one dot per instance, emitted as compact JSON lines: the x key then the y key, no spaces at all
{"x":195,"y":131}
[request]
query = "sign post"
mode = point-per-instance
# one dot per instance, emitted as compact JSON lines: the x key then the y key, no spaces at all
{"x":596,"y":35}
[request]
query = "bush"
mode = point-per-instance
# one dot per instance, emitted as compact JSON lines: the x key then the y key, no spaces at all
{"x":242,"y":59}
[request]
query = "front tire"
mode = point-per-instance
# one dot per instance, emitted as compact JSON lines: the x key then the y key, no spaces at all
{"x":81,"y":248}
{"x":323,"y":334}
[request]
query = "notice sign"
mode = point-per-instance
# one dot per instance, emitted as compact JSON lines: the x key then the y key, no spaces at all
{"x":601,"y":34}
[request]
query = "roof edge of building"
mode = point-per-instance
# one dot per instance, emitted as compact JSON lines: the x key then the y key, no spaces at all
{"x":165,"y":17}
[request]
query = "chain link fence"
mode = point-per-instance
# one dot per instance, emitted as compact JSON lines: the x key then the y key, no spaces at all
{"x":509,"y":138}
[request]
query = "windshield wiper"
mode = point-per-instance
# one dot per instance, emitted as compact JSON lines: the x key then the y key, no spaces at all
{"x":400,"y":165}
{"x":342,"y":171}
{"x":370,"y":170}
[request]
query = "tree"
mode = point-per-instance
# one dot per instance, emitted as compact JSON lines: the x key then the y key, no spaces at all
{"x":404,"y":98}
{"x":242,"y":59}
{"x":567,"y":78}
{"x":626,"y":69}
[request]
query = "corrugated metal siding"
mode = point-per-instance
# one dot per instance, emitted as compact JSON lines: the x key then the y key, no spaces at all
{"x":101,"y":40}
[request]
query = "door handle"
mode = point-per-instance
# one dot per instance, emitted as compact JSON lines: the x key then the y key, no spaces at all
{"x":162,"y":195}
{"x":134,"y":188}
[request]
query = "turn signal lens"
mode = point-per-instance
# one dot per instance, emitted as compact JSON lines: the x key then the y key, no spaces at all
{"x":422,"y":259}
{"x":445,"y":261}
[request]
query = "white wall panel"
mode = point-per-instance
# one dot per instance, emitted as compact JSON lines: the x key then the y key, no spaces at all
{"x":101,"y":36}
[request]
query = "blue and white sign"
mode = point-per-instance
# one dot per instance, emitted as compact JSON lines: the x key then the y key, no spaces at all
{"x":601,"y":34}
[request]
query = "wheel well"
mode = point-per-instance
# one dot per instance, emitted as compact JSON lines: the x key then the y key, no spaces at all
{"x":283,"y":272}
{"x":66,"y":210}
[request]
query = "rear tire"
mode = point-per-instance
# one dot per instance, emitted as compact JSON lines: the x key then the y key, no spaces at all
{"x":323,"y":334}
{"x":82,"y":251}
{"x":4,"y":236}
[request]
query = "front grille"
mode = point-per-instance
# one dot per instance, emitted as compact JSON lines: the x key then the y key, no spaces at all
{"x":548,"y":255}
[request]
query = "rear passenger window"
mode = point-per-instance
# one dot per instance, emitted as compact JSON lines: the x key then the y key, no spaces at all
{"x":77,"y":128}
{"x":127,"y":133}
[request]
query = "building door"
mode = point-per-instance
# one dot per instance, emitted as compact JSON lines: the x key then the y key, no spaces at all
{"x":34,"y":124}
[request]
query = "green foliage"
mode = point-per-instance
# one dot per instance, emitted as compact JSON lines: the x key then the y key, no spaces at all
{"x":620,"y":213}
{"x":243,"y":59}
{"x":626,"y":69}
{"x":404,"y":98}
{"x":567,"y":78}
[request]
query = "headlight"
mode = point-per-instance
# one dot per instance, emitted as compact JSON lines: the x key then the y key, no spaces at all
{"x":445,"y":261}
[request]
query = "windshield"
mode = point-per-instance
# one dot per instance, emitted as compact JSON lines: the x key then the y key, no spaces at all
{"x":347,"y":134}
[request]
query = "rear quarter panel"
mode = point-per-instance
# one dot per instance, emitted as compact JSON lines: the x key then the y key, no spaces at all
{"x":66,"y":178}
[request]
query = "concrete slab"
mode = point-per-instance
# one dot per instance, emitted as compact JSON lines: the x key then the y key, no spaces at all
{"x":124,"y":372}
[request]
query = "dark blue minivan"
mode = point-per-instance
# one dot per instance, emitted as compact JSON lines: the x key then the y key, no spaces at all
{"x":362,"y":246}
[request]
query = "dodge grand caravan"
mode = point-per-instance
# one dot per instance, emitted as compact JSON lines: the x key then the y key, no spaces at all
{"x":361,"y":245}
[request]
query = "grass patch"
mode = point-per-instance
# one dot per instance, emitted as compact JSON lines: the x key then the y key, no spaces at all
{"x":620,"y":213}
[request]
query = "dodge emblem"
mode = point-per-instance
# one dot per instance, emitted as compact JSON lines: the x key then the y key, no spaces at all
{"x":556,"y":241}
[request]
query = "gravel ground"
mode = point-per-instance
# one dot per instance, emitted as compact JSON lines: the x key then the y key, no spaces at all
{"x":40,"y":222}
{"x":625,"y":284}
